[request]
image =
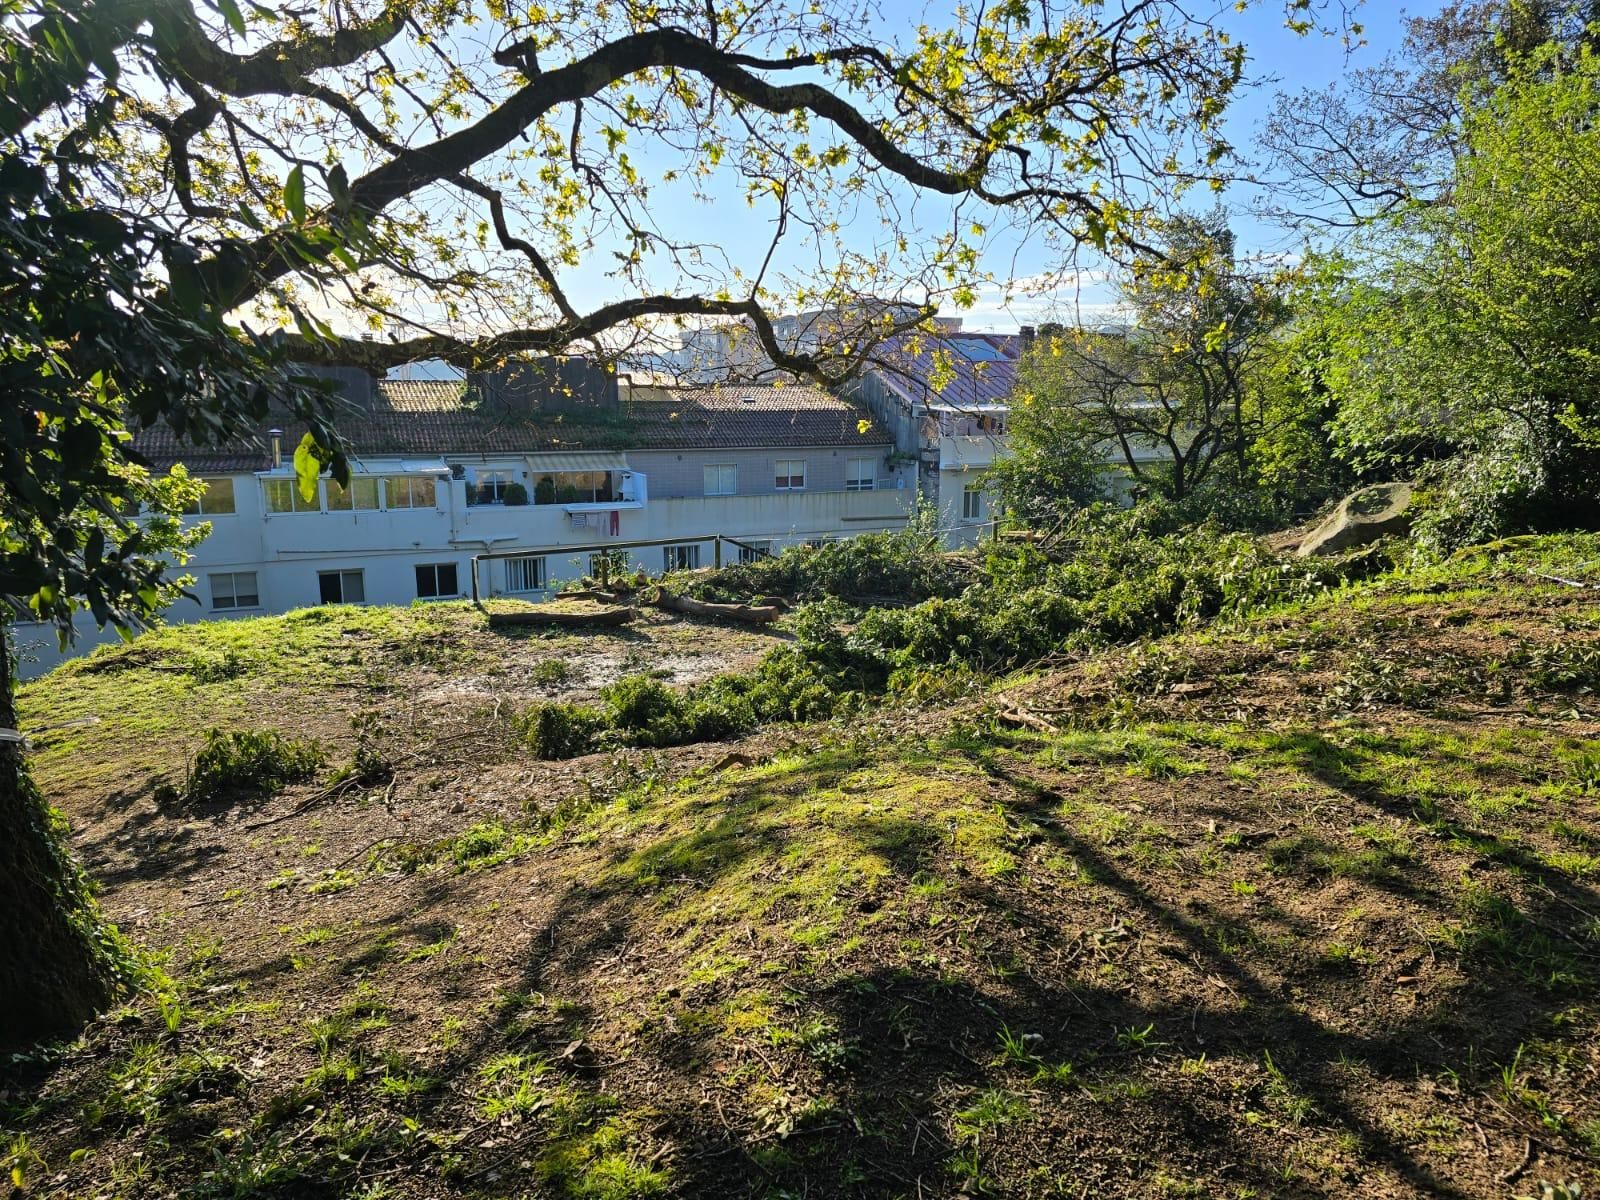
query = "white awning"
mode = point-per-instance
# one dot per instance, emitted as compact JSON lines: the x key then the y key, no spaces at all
{"x":400,"y":466}
{"x":578,"y":460}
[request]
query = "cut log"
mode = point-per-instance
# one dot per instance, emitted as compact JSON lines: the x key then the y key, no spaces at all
{"x":619,"y":615}
{"x":750,"y":614}
{"x":1012,"y":714}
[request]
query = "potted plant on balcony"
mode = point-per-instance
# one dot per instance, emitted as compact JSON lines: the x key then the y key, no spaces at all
{"x":514,"y":495}
{"x":544,"y":492}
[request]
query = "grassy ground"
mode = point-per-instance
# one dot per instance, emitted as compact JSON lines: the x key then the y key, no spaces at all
{"x":1309,"y":906}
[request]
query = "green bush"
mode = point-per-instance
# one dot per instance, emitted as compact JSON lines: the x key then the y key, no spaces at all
{"x":904,"y":565}
{"x":1117,"y":583}
{"x":1120,"y":581}
{"x":514,"y":495}
{"x":247,"y":761}
{"x":551,"y":672}
{"x":639,"y":703}
{"x":556,"y":730}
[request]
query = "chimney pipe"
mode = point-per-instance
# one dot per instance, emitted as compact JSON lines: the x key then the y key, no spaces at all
{"x":277,"y":447}
{"x":1027,"y":333}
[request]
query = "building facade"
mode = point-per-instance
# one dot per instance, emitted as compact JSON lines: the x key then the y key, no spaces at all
{"x":946,"y":399}
{"x":453,"y":496}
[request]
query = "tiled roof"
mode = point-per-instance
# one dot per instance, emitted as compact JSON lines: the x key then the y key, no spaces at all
{"x":435,"y":417}
{"x":984,"y":364}
{"x":730,"y":417}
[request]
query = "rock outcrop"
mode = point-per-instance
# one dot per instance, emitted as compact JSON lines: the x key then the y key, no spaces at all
{"x":1374,"y":512}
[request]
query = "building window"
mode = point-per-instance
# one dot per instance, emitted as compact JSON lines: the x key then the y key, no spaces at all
{"x":283,"y":496}
{"x":408,"y":491}
{"x":436,"y":580}
{"x":234,"y":589}
{"x":341,"y":587}
{"x":754,"y":551}
{"x":789,"y":474}
{"x":574,"y":487}
{"x":972,"y":503}
{"x":722,"y":479}
{"x":680,"y":558}
{"x":361,"y":495}
{"x":215,"y":501}
{"x":490,"y":488}
{"x":525,"y":574}
{"x":860,"y":475}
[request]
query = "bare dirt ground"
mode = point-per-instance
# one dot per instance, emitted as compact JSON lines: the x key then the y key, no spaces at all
{"x":1303,"y":907}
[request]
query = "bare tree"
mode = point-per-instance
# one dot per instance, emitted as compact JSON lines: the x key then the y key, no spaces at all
{"x":1172,"y":395}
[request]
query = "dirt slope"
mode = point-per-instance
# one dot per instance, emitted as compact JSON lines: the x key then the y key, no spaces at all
{"x":1305,"y":907}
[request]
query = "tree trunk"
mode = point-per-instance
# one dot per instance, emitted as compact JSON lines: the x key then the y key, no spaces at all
{"x":57,"y":960}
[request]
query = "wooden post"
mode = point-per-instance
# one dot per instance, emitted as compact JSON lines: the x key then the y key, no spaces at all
{"x":716,"y":554}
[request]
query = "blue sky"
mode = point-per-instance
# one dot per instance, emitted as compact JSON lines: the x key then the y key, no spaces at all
{"x":1279,"y":60}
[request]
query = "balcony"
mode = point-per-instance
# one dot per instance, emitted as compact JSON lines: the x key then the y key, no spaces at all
{"x":970,"y":453}
{"x":782,"y":514}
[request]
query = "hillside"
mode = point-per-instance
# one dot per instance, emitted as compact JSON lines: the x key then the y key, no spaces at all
{"x":1305,"y":903}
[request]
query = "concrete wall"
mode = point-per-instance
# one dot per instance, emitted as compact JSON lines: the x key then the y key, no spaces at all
{"x":674,"y":474}
{"x":889,"y":410}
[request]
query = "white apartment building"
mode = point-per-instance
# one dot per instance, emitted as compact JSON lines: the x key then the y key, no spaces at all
{"x":946,"y":399}
{"x":442,"y":477}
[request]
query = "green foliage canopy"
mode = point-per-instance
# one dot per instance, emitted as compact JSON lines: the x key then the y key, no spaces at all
{"x":1470,"y":325}
{"x":92,"y":345}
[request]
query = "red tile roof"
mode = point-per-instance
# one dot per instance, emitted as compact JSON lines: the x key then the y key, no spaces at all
{"x":436,"y":417}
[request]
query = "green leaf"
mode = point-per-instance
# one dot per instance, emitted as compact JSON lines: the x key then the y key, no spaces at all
{"x":339,"y":186}
{"x":231,"y":14}
{"x":307,"y":467}
{"x":294,"y":193}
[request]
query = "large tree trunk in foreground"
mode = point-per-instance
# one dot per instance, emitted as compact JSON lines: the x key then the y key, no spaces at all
{"x":56,"y":958}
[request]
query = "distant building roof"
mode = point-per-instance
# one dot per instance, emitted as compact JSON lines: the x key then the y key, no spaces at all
{"x":412,"y":417}
{"x":982,"y":366}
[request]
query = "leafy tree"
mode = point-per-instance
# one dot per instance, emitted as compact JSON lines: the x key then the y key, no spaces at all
{"x":165,"y":165}
{"x":1174,"y":397}
{"x":461,"y":200}
{"x":1053,"y":463}
{"x":1471,"y":326}
{"x":89,"y":349}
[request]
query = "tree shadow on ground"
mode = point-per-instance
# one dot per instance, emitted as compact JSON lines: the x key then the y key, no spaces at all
{"x":813,"y":979}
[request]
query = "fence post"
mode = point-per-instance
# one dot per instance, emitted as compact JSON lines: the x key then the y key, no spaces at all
{"x":716,"y":554}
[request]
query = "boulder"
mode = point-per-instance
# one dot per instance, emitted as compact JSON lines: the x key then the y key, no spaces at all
{"x":1379,"y":511}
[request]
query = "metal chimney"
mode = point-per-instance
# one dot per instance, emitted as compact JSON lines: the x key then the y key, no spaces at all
{"x":277,"y":447}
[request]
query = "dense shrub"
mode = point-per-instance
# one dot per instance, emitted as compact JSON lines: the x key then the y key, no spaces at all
{"x":641,"y":704}
{"x":246,"y":761}
{"x":1117,"y":582}
{"x":905,"y":565}
{"x":1519,"y":483}
{"x":787,"y":686}
{"x":553,"y":729}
